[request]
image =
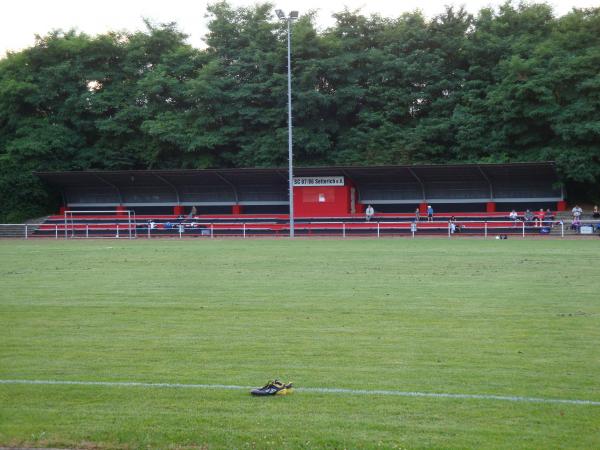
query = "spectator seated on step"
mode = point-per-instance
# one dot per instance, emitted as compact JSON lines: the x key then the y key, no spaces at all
{"x":454,"y":227}
{"x":528,"y":217}
{"x":514,"y":216}
{"x":369,"y":212}
{"x":576,"y":224}
{"x":549,"y":218}
{"x":539,"y":217}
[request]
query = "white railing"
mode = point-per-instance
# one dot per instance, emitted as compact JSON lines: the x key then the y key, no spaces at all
{"x":244,"y":230}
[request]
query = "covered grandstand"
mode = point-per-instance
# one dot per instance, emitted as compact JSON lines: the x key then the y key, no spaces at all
{"x":318,"y":191}
{"x":331,"y":201}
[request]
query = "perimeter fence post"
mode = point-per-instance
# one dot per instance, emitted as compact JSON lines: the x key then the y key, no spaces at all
{"x":449,"y":234}
{"x":485,"y":230}
{"x":378,"y":232}
{"x":87,"y":231}
{"x":344,"y":229}
{"x":523,"y":229}
{"x":55,"y":231}
{"x":117,"y":230}
{"x":180,"y":230}
{"x":26,"y":231}
{"x":244,"y":230}
{"x":212,"y":233}
{"x":562,"y":229}
{"x":149,"y":231}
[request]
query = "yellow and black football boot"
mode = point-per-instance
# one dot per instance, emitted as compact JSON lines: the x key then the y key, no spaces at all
{"x":274,"y":387}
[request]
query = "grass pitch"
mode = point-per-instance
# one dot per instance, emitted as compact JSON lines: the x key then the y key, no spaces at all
{"x":510,"y":318}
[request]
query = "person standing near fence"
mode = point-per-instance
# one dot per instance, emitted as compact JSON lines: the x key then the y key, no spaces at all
{"x":417,"y":215}
{"x":429,"y":213}
{"x":369,"y":212}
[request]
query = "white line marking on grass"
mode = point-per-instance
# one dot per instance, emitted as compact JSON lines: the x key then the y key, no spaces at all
{"x":126,"y":384}
{"x":508,"y":398}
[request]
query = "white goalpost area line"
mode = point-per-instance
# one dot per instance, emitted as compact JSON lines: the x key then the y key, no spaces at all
{"x":508,"y":398}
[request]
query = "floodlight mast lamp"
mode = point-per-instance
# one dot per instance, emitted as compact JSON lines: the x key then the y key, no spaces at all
{"x":293,"y":15}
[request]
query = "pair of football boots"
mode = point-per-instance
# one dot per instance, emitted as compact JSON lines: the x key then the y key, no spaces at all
{"x":274,"y":387}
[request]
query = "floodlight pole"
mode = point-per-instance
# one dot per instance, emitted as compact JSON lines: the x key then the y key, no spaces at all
{"x":290,"y":153}
{"x":293,"y":15}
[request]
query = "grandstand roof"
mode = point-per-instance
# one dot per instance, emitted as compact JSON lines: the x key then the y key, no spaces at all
{"x":380,"y":184}
{"x":70,"y":178}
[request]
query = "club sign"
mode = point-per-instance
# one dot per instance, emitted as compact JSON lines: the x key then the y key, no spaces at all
{"x":318,"y":181}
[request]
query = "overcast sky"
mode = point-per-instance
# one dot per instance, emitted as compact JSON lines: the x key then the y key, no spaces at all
{"x":20,"y":20}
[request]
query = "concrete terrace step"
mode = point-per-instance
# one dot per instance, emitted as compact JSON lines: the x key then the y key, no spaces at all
{"x":278,"y":219}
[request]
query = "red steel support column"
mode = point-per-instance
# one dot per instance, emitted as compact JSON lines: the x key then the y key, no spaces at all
{"x":120,"y":210}
{"x":178,"y":210}
{"x":490,"y":207}
{"x":423,"y":209}
{"x":236,"y":209}
{"x":561,"y":205}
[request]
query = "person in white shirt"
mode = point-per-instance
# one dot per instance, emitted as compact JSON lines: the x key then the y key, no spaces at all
{"x":577,"y":211}
{"x":369,"y":212}
{"x":514,"y":217}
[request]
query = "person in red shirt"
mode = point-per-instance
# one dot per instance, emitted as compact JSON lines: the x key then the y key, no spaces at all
{"x":539,"y":217}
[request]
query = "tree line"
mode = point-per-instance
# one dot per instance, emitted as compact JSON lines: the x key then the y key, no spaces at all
{"x":510,"y":84}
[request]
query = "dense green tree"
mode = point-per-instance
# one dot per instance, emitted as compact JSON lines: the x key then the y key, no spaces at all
{"x":531,"y":95}
{"x":570,"y":81}
{"x":75,"y":102}
{"x":247,"y":84}
{"x":314,"y":120}
{"x":43,"y":124}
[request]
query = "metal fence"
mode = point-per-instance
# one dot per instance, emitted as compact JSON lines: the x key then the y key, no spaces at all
{"x":339,"y":229}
